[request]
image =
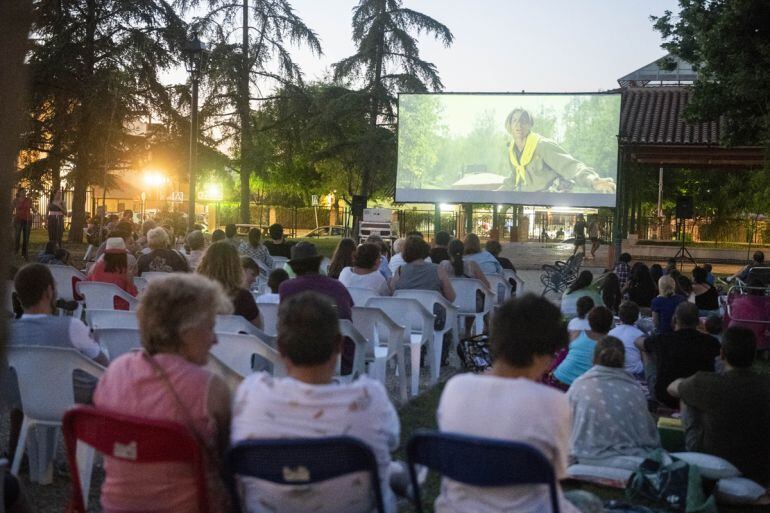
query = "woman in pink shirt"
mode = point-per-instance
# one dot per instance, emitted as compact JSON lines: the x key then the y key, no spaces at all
{"x":167,"y":381}
{"x":113,"y":267}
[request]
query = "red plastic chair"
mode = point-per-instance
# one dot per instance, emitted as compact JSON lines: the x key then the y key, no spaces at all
{"x":131,"y":439}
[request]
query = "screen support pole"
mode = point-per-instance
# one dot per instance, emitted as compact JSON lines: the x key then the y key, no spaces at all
{"x":617,"y":235}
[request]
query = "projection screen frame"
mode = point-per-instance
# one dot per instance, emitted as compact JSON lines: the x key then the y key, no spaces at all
{"x":549,"y":199}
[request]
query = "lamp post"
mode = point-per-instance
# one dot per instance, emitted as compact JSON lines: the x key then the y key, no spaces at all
{"x":193,"y":53}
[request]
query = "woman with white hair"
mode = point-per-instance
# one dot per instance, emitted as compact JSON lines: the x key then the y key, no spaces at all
{"x":196,"y":244}
{"x":398,"y":257}
{"x":166,"y":381}
{"x":161,"y":258}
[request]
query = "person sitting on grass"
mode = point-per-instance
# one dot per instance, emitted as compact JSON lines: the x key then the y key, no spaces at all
{"x":609,"y":410}
{"x":308,"y":404}
{"x":364,"y":273}
{"x":728,"y":414}
{"x":630,"y":335}
{"x":582,"y":286}
{"x":664,"y":305}
{"x":274,"y":280}
{"x":581,"y":350}
{"x":166,"y":381}
{"x":508,"y":403}
{"x":706,"y":296}
{"x":622,"y":269}
{"x":579,"y":324}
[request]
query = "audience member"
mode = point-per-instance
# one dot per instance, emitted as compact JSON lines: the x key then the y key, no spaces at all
{"x":670,"y":266}
{"x":222,"y":264}
{"x":677,"y":354}
{"x":486,"y":260}
{"x":684,"y":286}
{"x":730,"y":412}
{"x":577,"y":289}
{"x":439,"y":251}
{"x":757,"y":260}
{"x":218,"y":235}
{"x":274,"y":280}
{"x":709,"y":275}
{"x":161,"y":258}
{"x":112,"y":267}
{"x":308,"y":404}
{"x":495,"y":248}
{"x":254,"y":249}
{"x":507,"y":403}
{"x":664,"y":305}
{"x":397,"y":260}
{"x":751,"y":310}
{"x":706,"y":296}
{"x":579,"y":323}
{"x":251,"y":272}
{"x":622,"y":269}
{"x":48,"y":255}
{"x":342,"y":257}
{"x":22,"y":222}
{"x":656,"y":272}
{"x":581,"y":350}
{"x":459,"y":267}
{"x":364,"y":273}
{"x":167,"y":381}
{"x":384,"y":256}
{"x":38,"y":326}
{"x":640,"y":288}
{"x":278,"y":245}
{"x":610,"y":290}
{"x":609,"y":411}
{"x":416,"y":273}
{"x":231,"y":235}
{"x":196,"y":242}
{"x":631,"y":337}
{"x":306,"y":263}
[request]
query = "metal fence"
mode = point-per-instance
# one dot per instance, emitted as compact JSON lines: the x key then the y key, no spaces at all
{"x":754,"y":230}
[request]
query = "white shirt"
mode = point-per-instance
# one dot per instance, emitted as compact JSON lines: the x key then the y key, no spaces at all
{"x":627,"y":334}
{"x":194,"y":258}
{"x":578,"y":324}
{"x":374,"y":281}
{"x":506,"y":409}
{"x":79,"y":335}
{"x":395,"y":262}
{"x":268,"y":298}
{"x":267,"y":407}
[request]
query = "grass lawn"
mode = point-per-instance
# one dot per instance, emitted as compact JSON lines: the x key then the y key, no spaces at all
{"x":420,"y":413}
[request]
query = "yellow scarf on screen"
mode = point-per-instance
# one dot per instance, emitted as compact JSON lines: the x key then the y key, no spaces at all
{"x":526,"y":157}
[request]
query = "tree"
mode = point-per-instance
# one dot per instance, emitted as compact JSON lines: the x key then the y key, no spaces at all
{"x":728,"y":44}
{"x":387,"y":60}
{"x":261,"y":56}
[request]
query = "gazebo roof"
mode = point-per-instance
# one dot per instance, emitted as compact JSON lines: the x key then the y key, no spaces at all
{"x":683,"y":73}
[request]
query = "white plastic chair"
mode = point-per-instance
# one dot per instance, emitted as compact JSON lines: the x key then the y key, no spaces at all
{"x":269,"y":314}
{"x":347,"y":329}
{"x":430,"y":299}
{"x":239,"y":324}
{"x":419,"y":332}
{"x":66,"y":278}
{"x":118,"y":341}
{"x":104,"y":319}
{"x":231,"y":378}
{"x":140,"y":283}
{"x":237,"y":351}
{"x":279,"y":262}
{"x":466,"y":290}
{"x":500,"y":286}
{"x":155,"y":275}
{"x":45,"y":384}
{"x":361,"y":295}
{"x":376,"y":327}
{"x":9,"y":297}
{"x":509,"y":274}
{"x":101,"y":296}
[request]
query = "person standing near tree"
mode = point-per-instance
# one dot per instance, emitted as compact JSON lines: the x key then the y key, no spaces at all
{"x":55,"y":218}
{"x":22,"y":221}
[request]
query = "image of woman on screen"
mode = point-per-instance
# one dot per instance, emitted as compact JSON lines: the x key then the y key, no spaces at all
{"x":540,"y":164}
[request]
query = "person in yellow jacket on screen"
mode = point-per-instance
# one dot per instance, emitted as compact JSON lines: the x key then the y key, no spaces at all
{"x":540,"y":164}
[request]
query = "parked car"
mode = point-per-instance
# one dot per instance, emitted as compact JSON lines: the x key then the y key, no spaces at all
{"x":329,"y":231}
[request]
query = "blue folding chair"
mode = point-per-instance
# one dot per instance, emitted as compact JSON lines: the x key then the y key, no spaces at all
{"x":479,"y":462}
{"x":302,"y":461}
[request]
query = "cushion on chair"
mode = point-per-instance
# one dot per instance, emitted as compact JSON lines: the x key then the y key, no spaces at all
{"x":710,"y":466}
{"x":738,"y":490}
{"x":606,"y":476}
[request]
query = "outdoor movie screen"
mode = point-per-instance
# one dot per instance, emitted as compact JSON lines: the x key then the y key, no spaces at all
{"x":527,"y":149}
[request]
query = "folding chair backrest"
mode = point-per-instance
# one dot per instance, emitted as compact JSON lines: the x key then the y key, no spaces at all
{"x":102,"y":295}
{"x":406,"y":311}
{"x":44,"y":375}
{"x":360,"y":295}
{"x":140,"y":283}
{"x":466,"y":292}
{"x":131,"y":439}
{"x":119,"y":341}
{"x":760,"y":273}
{"x":66,"y":278}
{"x":376,"y":326}
{"x":269,"y":314}
{"x":348,"y":329}
{"x":480,"y":462}
{"x":434,"y":302}
{"x":509,"y":274}
{"x":301,"y":462}
{"x":239,"y":324}
{"x":105,"y":319}
{"x":500,"y":287}
{"x":245,"y":353}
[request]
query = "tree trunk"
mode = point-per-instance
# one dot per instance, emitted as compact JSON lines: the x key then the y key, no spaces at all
{"x":244,"y":113}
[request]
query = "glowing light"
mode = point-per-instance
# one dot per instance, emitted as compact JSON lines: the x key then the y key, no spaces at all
{"x":212,"y":191}
{"x":154,"y":178}
{"x":446,"y":207}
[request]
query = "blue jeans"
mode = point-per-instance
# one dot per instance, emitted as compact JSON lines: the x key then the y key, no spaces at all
{"x":21,"y":231}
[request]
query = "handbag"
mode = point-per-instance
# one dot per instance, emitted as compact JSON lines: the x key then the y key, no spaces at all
{"x":670,"y":483}
{"x":474,"y":353}
{"x":216,"y":491}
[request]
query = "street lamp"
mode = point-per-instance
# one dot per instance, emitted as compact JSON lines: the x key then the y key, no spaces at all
{"x":193,"y":61}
